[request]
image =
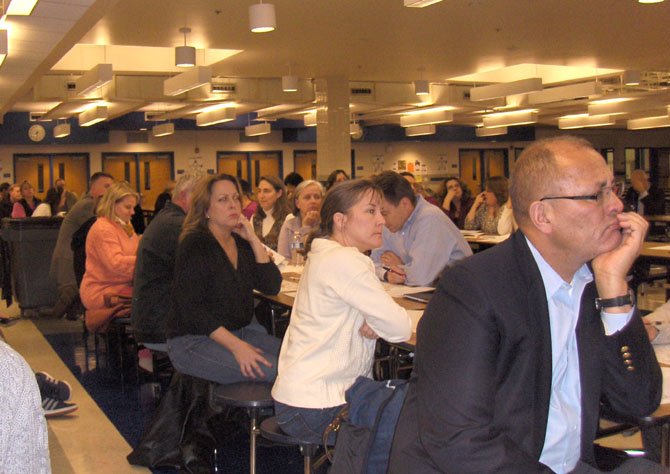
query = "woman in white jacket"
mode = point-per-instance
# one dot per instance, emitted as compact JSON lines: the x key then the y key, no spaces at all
{"x":339,"y":311}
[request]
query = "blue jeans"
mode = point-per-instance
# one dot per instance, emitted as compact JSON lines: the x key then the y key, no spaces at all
{"x":306,"y":424}
{"x":201,"y":356}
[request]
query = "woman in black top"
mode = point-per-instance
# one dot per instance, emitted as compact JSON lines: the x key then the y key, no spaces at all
{"x":220,"y":261}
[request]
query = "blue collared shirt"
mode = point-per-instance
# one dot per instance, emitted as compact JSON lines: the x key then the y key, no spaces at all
{"x":427,"y":242}
{"x":562,"y":442}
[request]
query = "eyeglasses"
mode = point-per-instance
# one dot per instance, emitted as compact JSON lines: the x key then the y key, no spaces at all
{"x":600,"y":197}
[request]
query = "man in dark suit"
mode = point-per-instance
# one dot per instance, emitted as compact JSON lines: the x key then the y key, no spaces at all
{"x":513,"y":359}
{"x":642,"y":197}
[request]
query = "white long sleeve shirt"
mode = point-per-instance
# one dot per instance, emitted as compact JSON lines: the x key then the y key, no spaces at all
{"x":323,"y":352}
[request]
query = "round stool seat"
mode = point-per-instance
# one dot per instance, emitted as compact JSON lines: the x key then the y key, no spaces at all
{"x":271,"y":430}
{"x":245,"y":394}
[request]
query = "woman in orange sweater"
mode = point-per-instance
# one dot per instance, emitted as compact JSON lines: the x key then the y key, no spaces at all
{"x":111,"y":250}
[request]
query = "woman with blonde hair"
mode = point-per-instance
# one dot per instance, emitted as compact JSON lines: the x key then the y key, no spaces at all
{"x":307,"y":199}
{"x":211,"y":333}
{"x":111,"y":249}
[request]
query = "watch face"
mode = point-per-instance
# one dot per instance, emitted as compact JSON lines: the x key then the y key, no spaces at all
{"x":36,"y":133}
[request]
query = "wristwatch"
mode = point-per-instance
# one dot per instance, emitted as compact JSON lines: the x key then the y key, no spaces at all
{"x":627,"y":299}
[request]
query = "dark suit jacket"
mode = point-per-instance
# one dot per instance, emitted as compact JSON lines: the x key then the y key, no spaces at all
{"x":654,"y":201}
{"x":479,"y":397}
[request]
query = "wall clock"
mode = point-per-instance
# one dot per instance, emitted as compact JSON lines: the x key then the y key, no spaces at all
{"x":36,"y":133}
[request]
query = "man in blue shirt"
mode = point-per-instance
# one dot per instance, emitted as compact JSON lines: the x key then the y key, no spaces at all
{"x":521,"y":344}
{"x":419,"y":240}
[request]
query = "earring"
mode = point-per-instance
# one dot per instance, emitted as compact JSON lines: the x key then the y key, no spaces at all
{"x":207,"y":216}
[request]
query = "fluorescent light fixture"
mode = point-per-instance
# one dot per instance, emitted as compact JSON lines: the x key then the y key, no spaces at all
{"x":631,"y":78}
{"x":617,"y":108}
{"x":21,"y":7}
{"x":262,"y":17}
{"x":309,"y":120}
{"x":569,"y":92}
{"x":186,"y":81}
{"x":4,"y":43}
{"x":62,"y":130}
{"x":98,"y":76}
{"x":649,"y":1}
{"x":507,"y":119}
{"x":566,"y":123}
{"x":184,"y":56}
{"x":648,"y":122}
{"x":289,"y":83}
{"x":421,"y":87}
{"x":163,"y":129}
{"x":257,"y":129}
{"x":426,"y":118}
{"x":490,"y":132}
{"x":420,"y":3}
{"x":93,"y":115}
{"x":215,"y":116}
{"x":420,"y":130}
{"x":495,"y":91}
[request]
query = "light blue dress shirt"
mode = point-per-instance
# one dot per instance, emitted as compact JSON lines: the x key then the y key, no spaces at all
{"x":562,"y":443}
{"x":426,"y":243}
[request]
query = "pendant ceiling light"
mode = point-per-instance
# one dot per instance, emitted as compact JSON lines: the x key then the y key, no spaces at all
{"x":262,"y":17}
{"x":184,"y":56}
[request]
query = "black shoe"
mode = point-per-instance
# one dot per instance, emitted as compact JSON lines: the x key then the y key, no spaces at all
{"x":52,"y":388}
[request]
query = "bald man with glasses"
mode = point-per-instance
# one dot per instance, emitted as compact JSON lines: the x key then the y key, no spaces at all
{"x":521,"y":344}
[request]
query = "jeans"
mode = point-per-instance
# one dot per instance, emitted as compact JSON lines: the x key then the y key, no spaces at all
{"x":306,"y":424}
{"x":201,"y":356}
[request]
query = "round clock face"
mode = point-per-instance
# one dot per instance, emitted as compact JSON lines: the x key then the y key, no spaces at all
{"x":36,"y":133}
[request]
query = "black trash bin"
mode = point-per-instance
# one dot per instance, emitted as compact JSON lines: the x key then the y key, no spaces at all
{"x":31,"y":243}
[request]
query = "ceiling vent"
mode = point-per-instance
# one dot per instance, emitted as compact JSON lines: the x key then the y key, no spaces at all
{"x":223,"y":88}
{"x":361,"y":91}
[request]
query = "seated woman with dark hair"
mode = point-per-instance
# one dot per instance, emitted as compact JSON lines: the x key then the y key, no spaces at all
{"x":111,"y":251}
{"x":456,"y":201}
{"x":337,"y":176}
{"x":488,"y":206}
{"x":211,"y":333}
{"x":272,"y":210}
{"x":305,"y":218}
{"x":340,"y":309}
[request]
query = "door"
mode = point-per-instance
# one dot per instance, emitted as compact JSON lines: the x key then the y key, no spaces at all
{"x":36,"y":170}
{"x":234,"y":164}
{"x":265,"y":164}
{"x":304,"y":163}
{"x":122,"y":166}
{"x":155,"y":172}
{"x":470,"y":167}
{"x":494,"y":162}
{"x":74,"y":170}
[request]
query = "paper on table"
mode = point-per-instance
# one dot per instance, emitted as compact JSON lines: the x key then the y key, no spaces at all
{"x":473,"y":233}
{"x":660,"y":247}
{"x":396,"y":291}
{"x":415,"y":316}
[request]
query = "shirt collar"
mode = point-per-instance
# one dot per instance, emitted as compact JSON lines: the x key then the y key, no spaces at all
{"x":420,"y":201}
{"x":551,"y":279}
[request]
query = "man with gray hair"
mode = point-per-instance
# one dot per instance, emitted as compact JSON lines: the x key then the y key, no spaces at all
{"x":521,"y":344}
{"x":154,"y":268}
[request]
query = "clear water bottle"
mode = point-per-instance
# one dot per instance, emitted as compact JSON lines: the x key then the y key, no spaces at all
{"x":297,"y":249}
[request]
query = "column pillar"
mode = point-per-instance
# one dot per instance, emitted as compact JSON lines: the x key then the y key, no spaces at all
{"x":333,"y":142}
